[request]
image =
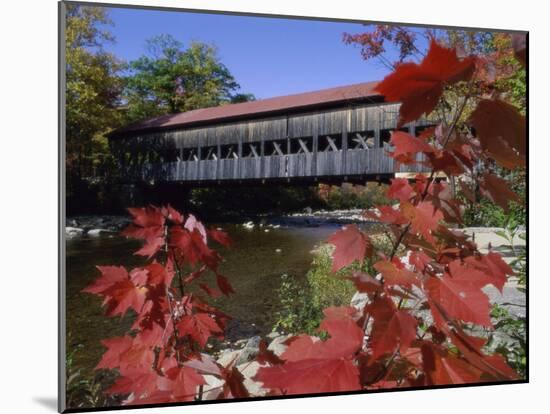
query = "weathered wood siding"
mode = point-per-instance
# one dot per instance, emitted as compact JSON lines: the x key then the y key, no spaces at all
{"x":180,"y":155}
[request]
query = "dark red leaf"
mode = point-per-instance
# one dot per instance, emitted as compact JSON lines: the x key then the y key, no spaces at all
{"x":392,"y":328}
{"x":498,"y":191}
{"x":224,"y":285}
{"x":419,"y":87}
{"x":502,"y":131}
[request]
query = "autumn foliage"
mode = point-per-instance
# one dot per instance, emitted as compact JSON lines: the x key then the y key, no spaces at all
{"x":418,"y":324}
{"x":417,"y":327}
{"x":160,"y":360}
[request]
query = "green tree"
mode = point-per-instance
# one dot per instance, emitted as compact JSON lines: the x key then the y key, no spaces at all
{"x":93,"y":88}
{"x":172,"y":79}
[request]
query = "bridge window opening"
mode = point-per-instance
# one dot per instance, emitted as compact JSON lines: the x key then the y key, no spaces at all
{"x":277,"y":147}
{"x":189,"y":154}
{"x":251,"y":150}
{"x":209,"y":153}
{"x":229,"y":152}
{"x":385,"y":137}
{"x":362,"y":140}
{"x":301,"y":145}
{"x":330,"y":143}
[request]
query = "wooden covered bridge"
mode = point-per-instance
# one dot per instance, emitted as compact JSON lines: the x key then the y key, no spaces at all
{"x":333,"y":135}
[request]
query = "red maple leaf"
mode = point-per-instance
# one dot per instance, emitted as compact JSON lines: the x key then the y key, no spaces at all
{"x":200,"y":327}
{"x":234,"y":383}
{"x":311,"y":376}
{"x":424,"y":218}
{"x":148,"y":225}
{"x":519,"y":43}
{"x":492,"y":265}
{"x":312,"y":365}
{"x":224,"y":285}
{"x":172,"y":214}
{"x":459,"y":294}
{"x":441,"y":367}
{"x":350,"y":244}
{"x":221,"y":237}
{"x":126,"y":354}
{"x":138,"y":384}
{"x":502,"y":131}
{"x":115,"y":347}
{"x":400,"y":189}
{"x":420,"y":260}
{"x":183,"y":381}
{"x":191,"y":246}
{"x":154,"y":310}
{"x":118,"y":289}
{"x":498,"y":191}
{"x":387,"y":214}
{"x":192,"y":224}
{"x":395,"y":273}
{"x":109,"y":276}
{"x":159,"y":274}
{"x":419,"y":86}
{"x":406,"y":147}
{"x":392,"y":328}
{"x":493,"y":366}
{"x":124,"y":295}
{"x":365,"y":283}
{"x":147,"y":216}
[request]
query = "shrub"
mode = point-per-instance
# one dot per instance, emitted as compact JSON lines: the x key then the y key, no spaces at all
{"x":301,"y":302}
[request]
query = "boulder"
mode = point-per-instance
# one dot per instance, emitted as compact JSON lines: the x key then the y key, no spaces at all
{"x":272,"y":335}
{"x":212,"y":389}
{"x":277,"y":345}
{"x":73,"y":231}
{"x":359,"y":300}
{"x":249,"y":370}
{"x":250,"y":350}
{"x":228,"y":357}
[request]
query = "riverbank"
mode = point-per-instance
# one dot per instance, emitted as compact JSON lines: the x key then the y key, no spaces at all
{"x":94,"y":225}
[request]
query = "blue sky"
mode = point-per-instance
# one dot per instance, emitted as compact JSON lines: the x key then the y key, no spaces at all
{"x":267,"y":56}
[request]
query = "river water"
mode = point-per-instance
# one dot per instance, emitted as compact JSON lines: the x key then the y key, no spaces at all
{"x":254,"y":266}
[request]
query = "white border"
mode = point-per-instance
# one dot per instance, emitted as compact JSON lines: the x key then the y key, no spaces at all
{"x":29,"y":203}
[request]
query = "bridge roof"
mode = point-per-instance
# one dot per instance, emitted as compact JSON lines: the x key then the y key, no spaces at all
{"x":271,"y":106}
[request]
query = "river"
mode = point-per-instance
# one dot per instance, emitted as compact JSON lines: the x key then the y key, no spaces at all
{"x":254,"y":266}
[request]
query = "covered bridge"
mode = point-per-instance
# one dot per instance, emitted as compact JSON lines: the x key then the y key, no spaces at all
{"x":334,"y":135}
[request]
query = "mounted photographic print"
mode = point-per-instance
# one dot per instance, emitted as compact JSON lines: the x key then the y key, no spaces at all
{"x":261,"y":207}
